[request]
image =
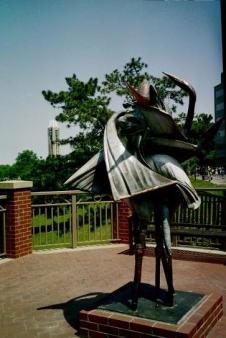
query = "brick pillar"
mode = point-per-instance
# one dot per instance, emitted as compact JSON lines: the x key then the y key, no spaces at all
{"x":18,"y":217}
{"x":124,"y":212}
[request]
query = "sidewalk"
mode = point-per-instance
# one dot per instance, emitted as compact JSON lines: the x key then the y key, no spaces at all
{"x":216,"y":179}
{"x":42,"y":294}
{"x":219,"y":180}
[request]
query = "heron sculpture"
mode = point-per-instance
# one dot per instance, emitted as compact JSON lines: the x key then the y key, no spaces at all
{"x":140,"y":163}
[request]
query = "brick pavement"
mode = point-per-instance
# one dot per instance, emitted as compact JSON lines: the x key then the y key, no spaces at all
{"x":41,"y":294}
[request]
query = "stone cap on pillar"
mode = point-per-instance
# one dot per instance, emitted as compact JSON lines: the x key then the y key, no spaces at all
{"x":15,"y":184}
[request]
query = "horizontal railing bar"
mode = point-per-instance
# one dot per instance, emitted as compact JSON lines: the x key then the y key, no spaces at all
{"x":3,"y":197}
{"x":94,"y":202}
{"x":211,"y":188}
{"x":69,"y":203}
{"x":98,"y":241}
{"x":53,"y":245}
{"x":50,"y":205}
{"x":64,"y":192}
{"x":197,"y":226}
{"x":199,"y":233}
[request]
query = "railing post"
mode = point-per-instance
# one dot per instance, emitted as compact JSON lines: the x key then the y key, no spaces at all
{"x":74,"y":221}
{"x":18,"y":217}
{"x":114,"y":221}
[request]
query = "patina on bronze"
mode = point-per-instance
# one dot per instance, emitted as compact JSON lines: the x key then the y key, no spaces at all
{"x":140,"y":163}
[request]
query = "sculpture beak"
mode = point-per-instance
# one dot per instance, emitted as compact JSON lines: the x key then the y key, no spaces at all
{"x":187,"y":87}
{"x":142,"y":100}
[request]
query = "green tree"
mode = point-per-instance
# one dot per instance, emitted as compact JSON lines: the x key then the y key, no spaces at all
{"x":86,"y":104}
{"x":6,"y":172}
{"x":25,"y":165}
{"x":201,"y":124}
{"x":52,"y":172}
{"x":134,"y":72}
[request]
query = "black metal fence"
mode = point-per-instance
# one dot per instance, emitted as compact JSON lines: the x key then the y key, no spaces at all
{"x":204,"y":227}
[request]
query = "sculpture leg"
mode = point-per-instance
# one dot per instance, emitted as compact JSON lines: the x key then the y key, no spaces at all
{"x":167,"y":249}
{"x":167,"y":267}
{"x":131,"y":235}
{"x":163,"y":251}
{"x":139,"y":239}
{"x":158,"y":255}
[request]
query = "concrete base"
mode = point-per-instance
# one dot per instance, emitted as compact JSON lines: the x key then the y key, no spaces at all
{"x":195,"y":322}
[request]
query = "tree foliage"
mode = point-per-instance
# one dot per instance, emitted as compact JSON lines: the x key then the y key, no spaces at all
{"x":46,"y":174}
{"x":86,"y":104}
{"x":6,"y":172}
{"x":25,"y":165}
{"x":134,"y":72}
{"x":201,"y":123}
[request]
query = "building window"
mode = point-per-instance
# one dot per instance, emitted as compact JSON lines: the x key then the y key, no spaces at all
{"x":219,"y":92}
{"x":220,"y":106}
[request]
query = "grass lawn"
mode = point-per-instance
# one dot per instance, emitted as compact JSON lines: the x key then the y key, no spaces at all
{"x":52,"y":226}
{"x":206,"y":184}
{"x":59,"y":237}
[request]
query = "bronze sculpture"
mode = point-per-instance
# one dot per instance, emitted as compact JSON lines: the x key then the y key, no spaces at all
{"x":140,"y":162}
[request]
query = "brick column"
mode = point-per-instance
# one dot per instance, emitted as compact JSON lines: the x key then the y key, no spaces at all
{"x":124,"y":212}
{"x":18,"y":217}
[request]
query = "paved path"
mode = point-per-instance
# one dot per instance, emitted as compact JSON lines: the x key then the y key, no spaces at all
{"x":41,"y":294}
{"x":216,"y":179}
{"x":219,"y":180}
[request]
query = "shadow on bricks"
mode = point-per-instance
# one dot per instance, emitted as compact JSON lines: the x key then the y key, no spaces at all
{"x":72,"y":308}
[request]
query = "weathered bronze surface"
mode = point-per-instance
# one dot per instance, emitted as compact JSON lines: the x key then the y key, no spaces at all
{"x":140,"y":162}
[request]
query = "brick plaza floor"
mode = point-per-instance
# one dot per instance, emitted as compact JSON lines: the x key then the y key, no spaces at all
{"x":42,"y":294}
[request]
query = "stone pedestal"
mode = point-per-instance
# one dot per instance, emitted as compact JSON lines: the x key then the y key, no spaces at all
{"x":18,"y":217}
{"x":195,"y":322}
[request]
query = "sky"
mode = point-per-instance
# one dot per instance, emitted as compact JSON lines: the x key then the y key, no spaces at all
{"x":44,"y":41}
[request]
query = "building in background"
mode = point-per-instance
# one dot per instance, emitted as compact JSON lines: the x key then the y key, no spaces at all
{"x":53,"y":138}
{"x":220,"y":141}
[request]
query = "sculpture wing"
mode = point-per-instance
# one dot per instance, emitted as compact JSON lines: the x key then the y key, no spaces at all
{"x":92,"y":176}
{"x":161,"y":124}
{"x":127,"y":175}
{"x":118,"y":172}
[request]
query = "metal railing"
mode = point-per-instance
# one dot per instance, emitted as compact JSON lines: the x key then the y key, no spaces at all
{"x":204,"y":227}
{"x":72,"y":218}
{"x":2,"y":226}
